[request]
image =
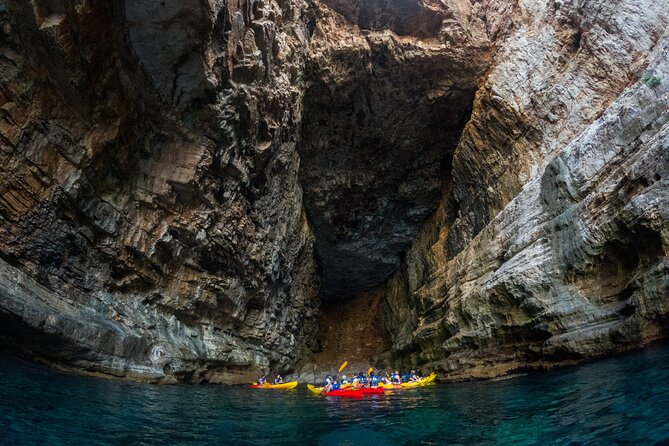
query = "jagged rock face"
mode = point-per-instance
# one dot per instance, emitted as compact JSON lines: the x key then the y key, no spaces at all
{"x":151,"y":217}
{"x":383,"y":114}
{"x":497,"y":170}
{"x":551,"y":245}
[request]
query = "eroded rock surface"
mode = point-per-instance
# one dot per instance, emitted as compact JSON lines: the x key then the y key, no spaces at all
{"x":383,"y":114}
{"x":182,"y":183}
{"x":551,"y":246}
{"x":151,"y":217}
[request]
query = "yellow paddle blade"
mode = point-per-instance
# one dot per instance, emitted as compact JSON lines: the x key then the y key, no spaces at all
{"x":371,"y":369}
{"x":343,"y":365}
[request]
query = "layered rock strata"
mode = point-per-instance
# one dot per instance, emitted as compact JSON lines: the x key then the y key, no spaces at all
{"x":151,"y":219}
{"x":551,"y":245}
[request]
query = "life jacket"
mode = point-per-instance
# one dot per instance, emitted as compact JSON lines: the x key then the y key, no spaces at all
{"x":336,"y":386}
{"x":412,"y":376}
{"x":363,"y":380}
{"x":375,"y":381}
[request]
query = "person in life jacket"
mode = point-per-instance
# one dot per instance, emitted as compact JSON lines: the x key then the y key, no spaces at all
{"x":336,"y":385}
{"x":362,"y":379}
{"x":278,"y":379}
{"x":355,"y":381}
{"x":405,"y":377}
{"x":327,"y":384}
{"x":396,"y":378}
{"x":412,"y":376}
{"x":373,"y":380}
{"x":263,"y":379}
{"x":386,"y":379}
{"x":344,"y":380}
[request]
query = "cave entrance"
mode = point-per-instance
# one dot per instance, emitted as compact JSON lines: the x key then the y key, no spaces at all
{"x":386,"y":102}
{"x":376,"y":150}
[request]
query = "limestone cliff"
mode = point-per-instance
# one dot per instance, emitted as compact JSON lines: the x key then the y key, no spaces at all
{"x":184,"y":183}
{"x":550,"y":245}
{"x":151,"y":220}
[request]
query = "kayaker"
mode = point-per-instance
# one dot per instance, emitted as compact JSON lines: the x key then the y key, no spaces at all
{"x":386,"y":379}
{"x":362,"y":379}
{"x":373,"y":380}
{"x":412,"y":376}
{"x":355,"y":381}
{"x":278,"y":379}
{"x":336,"y":385}
{"x":263,"y":379}
{"x":405,"y":377}
{"x":344,"y":380}
{"x":396,"y":378}
{"x":327,"y":385}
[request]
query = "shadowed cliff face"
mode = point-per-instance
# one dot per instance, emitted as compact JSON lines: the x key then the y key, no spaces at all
{"x":382,"y":116}
{"x":178,"y":178}
{"x":151,"y":214}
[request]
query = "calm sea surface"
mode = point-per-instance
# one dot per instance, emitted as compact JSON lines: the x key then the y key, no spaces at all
{"x":623,"y":400}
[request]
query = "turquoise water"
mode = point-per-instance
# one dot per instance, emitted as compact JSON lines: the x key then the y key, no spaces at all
{"x":623,"y":400}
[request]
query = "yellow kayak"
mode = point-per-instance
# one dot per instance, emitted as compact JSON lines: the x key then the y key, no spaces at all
{"x":390,"y":386}
{"x":314,"y":389}
{"x":424,"y":381}
{"x":288,"y":385}
{"x":428,"y":379}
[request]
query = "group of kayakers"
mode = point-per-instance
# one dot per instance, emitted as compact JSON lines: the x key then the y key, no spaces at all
{"x":371,"y":380}
{"x":355,"y":381}
{"x":278,"y":379}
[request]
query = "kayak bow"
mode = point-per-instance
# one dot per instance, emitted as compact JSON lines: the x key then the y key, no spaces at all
{"x":314,"y":389}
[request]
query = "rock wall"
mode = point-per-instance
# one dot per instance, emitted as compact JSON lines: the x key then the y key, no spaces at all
{"x":550,"y":247}
{"x":151,"y":221}
{"x":182,"y":183}
{"x":383,"y":114}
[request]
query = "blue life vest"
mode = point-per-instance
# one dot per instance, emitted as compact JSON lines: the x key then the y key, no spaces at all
{"x":404,"y":378}
{"x":375,"y":381}
{"x":336,"y":386}
{"x":363,"y":380}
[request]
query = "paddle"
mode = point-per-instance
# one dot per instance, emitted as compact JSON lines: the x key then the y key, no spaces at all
{"x":369,"y":372}
{"x":344,"y":364}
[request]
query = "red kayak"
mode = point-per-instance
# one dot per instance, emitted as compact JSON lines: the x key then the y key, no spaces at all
{"x":345,"y":393}
{"x":372,"y":391}
{"x":355,"y":393}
